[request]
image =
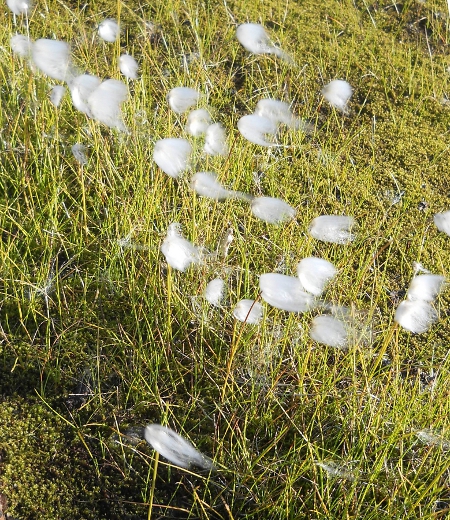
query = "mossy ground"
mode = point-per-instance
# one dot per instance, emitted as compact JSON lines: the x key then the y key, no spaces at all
{"x":98,"y":340}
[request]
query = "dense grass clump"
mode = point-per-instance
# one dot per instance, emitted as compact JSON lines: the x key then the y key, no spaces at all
{"x":100,"y":336}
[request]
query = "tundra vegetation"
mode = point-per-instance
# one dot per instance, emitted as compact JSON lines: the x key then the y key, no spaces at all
{"x":109,"y":320}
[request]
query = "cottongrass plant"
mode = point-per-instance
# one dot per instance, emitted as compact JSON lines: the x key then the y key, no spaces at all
{"x":250,"y":382}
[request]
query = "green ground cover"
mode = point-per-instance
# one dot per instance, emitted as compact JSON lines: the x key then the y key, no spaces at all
{"x":99,"y":337}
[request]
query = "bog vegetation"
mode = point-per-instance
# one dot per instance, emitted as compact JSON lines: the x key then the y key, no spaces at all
{"x":225,"y":245}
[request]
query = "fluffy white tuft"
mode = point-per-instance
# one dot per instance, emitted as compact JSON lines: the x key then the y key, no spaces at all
{"x":21,"y":45}
{"x":52,"y":57}
{"x":81,"y":87}
{"x":248,"y":311}
{"x":174,"y":448}
{"x":216,"y":140}
{"x":442,"y":222}
{"x":179,"y":252}
{"x":172,"y":155}
{"x":207,"y":185}
{"x":425,"y":287}
{"x":19,"y":7}
{"x":56,"y":94}
{"x":109,"y":30}
{"x":285,"y":292}
{"x":79,"y":152}
{"x":253,"y":38}
{"x":182,"y":98}
{"x":328,"y":330}
{"x":333,"y":228}
{"x":416,"y":316}
{"x":105,"y":103}
{"x":272,"y":210}
{"x":255,"y":129}
{"x":198,"y":122}
{"x":215,"y":292}
{"x":315,"y":273}
{"x":338,"y":93}
{"x":128,"y":66}
{"x":277,"y":111}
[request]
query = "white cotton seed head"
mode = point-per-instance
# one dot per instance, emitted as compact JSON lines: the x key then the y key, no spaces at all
{"x":285,"y":293}
{"x":433,"y":438}
{"x":172,"y":155}
{"x":256,"y":129}
{"x":175,"y":448}
{"x":333,"y":228}
{"x":338,"y":93}
{"x":328,"y":330}
{"x":272,"y":210}
{"x":52,"y":57}
{"x":315,"y":273}
{"x":128,"y":66}
{"x":277,"y":111}
{"x":216,"y":140}
{"x":253,"y":37}
{"x":182,"y":99}
{"x":207,"y":185}
{"x":215,"y":292}
{"x":81,"y":87}
{"x":105,"y":103}
{"x":442,"y":222}
{"x":21,"y":45}
{"x":179,"y":252}
{"x":19,"y":7}
{"x":198,"y":122}
{"x":415,"y":316}
{"x":425,"y":287}
{"x":109,"y":30}
{"x":79,"y":152}
{"x":56,"y":94}
{"x":248,"y":311}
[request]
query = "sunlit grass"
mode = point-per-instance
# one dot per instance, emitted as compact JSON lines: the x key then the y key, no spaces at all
{"x":101,"y":337}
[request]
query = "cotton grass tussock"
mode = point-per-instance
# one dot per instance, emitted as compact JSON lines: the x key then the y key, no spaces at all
{"x":336,"y":229}
{"x":248,"y":311}
{"x":21,"y":45}
{"x":128,"y":66}
{"x":215,"y":292}
{"x":109,"y":30}
{"x":52,"y":57}
{"x":254,"y":38}
{"x":442,"y":222}
{"x":181,"y":99}
{"x":56,"y":94}
{"x":329,"y":331}
{"x":256,"y":129}
{"x":175,"y":448}
{"x":285,"y":292}
{"x":215,"y":140}
{"x":315,"y":273}
{"x":198,"y":122}
{"x":105,"y":103}
{"x":416,"y":316}
{"x":179,"y":252}
{"x":272,"y":210}
{"x":338,"y":93}
{"x":81,"y":87}
{"x":172,"y":155}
